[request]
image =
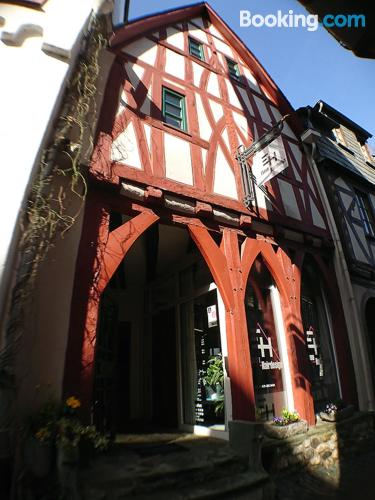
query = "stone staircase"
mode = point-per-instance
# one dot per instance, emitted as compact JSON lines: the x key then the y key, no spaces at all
{"x":172,"y":467}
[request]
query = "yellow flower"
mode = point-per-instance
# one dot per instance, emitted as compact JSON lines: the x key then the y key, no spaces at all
{"x":73,"y":402}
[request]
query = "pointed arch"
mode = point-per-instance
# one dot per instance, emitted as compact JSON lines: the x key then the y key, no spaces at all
{"x":216,"y":262}
{"x":252,"y":249}
{"x":111,"y":249}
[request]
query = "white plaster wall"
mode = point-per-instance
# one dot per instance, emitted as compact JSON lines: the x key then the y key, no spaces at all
{"x":197,"y":74}
{"x":217,"y":110}
{"x":177,"y":159}
{"x":33,"y":75}
{"x":289,"y":200}
{"x":213,"y":85}
{"x":316,"y":217}
{"x":224,"y":181}
{"x":197,"y":33}
{"x":175,"y":38}
{"x":233,"y":99}
{"x":143,"y":49}
{"x":175,"y":64}
{"x":125,"y":148}
{"x":205,"y":130}
{"x":38,"y":51}
{"x":263,"y":110}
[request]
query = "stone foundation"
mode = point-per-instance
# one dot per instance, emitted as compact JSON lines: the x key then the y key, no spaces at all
{"x":325,"y":445}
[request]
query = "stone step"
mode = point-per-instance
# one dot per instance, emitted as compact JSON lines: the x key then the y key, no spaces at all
{"x":204,"y":469}
{"x":247,"y":485}
{"x":153,"y":474}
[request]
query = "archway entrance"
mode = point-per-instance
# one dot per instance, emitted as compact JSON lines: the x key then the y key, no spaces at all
{"x":160,"y":340}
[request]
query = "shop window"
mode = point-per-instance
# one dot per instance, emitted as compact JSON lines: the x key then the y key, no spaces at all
{"x":196,"y":49}
{"x":267,"y":365}
{"x":319,"y":346}
{"x":174,"y":109}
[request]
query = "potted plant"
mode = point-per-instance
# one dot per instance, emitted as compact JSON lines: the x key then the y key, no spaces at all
{"x":336,"y":411}
{"x":40,"y":440}
{"x":214,"y":382}
{"x":288,"y":424}
{"x":57,"y":426}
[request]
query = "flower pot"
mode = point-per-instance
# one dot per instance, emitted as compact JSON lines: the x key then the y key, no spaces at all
{"x":38,"y":456}
{"x":285,"y":431}
{"x":340,"y":415}
{"x":67,"y":461}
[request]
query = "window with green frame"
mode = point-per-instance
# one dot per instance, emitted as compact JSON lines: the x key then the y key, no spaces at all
{"x":196,"y":49}
{"x":174,"y":109}
{"x":233,"y":69}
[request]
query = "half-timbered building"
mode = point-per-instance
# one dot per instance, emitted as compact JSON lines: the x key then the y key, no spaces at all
{"x":177,"y":280}
{"x":346,"y":167}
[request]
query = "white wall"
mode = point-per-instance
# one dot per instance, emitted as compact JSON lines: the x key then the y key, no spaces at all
{"x":37,"y":51}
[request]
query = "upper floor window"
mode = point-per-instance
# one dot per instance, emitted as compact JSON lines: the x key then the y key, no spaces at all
{"x":366,"y":153}
{"x":337,"y":132}
{"x":233,"y":69}
{"x":366,"y":213}
{"x":174,"y":109}
{"x":196,"y":49}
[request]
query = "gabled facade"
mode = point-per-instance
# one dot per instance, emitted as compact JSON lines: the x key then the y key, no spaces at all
{"x":347,"y":169}
{"x":174,"y":273}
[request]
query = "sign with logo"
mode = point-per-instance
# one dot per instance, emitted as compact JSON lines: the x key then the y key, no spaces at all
{"x":270,"y":161}
{"x":266,"y":350}
{"x":312,"y":347}
{"x":211,"y":316}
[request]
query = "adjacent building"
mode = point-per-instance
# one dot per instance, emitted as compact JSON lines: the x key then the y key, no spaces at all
{"x":347,"y":170}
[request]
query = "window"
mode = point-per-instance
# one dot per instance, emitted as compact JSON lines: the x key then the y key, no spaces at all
{"x":366,"y":153}
{"x":196,"y":49}
{"x":337,"y":132}
{"x":233,"y":70}
{"x":174,"y":112}
{"x":366,"y":213}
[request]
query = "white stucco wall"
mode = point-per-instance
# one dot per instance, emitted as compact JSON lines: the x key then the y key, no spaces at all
{"x":38,"y":48}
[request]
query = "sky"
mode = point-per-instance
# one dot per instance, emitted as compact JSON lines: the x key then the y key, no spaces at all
{"x":306,"y":65}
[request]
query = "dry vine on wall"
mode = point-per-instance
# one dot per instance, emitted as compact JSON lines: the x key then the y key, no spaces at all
{"x":57,"y":194}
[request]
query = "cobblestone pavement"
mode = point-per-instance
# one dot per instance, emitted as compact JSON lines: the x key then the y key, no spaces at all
{"x":356,"y":479}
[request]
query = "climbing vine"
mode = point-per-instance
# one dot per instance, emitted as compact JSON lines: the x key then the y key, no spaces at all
{"x":59,"y":187}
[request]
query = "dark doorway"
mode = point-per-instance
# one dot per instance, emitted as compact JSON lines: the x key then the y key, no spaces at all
{"x":164,"y":369}
{"x":122,"y":376}
{"x":370,"y":325}
{"x":103,"y":409}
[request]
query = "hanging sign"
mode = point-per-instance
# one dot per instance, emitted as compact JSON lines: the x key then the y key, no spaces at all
{"x":211,"y":316}
{"x":270,"y":161}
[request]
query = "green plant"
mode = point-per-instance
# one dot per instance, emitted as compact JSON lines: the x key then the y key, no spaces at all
{"x":215,"y":379}
{"x":59,"y":422}
{"x":215,"y":372}
{"x":287,"y":417}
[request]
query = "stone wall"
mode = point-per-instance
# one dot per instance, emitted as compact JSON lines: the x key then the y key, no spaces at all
{"x":325,"y":445}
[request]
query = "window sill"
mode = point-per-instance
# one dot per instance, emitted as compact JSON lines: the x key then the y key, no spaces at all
{"x":169,"y":126}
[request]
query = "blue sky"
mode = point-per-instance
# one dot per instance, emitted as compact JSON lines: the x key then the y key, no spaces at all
{"x":306,"y":65}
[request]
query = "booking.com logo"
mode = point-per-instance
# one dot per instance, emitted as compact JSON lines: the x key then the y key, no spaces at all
{"x":309,"y":21}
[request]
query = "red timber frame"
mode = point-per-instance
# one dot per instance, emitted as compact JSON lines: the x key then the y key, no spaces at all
{"x":101,"y":252}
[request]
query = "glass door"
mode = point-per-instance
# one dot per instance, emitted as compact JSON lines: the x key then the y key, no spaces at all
{"x":202,"y":362}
